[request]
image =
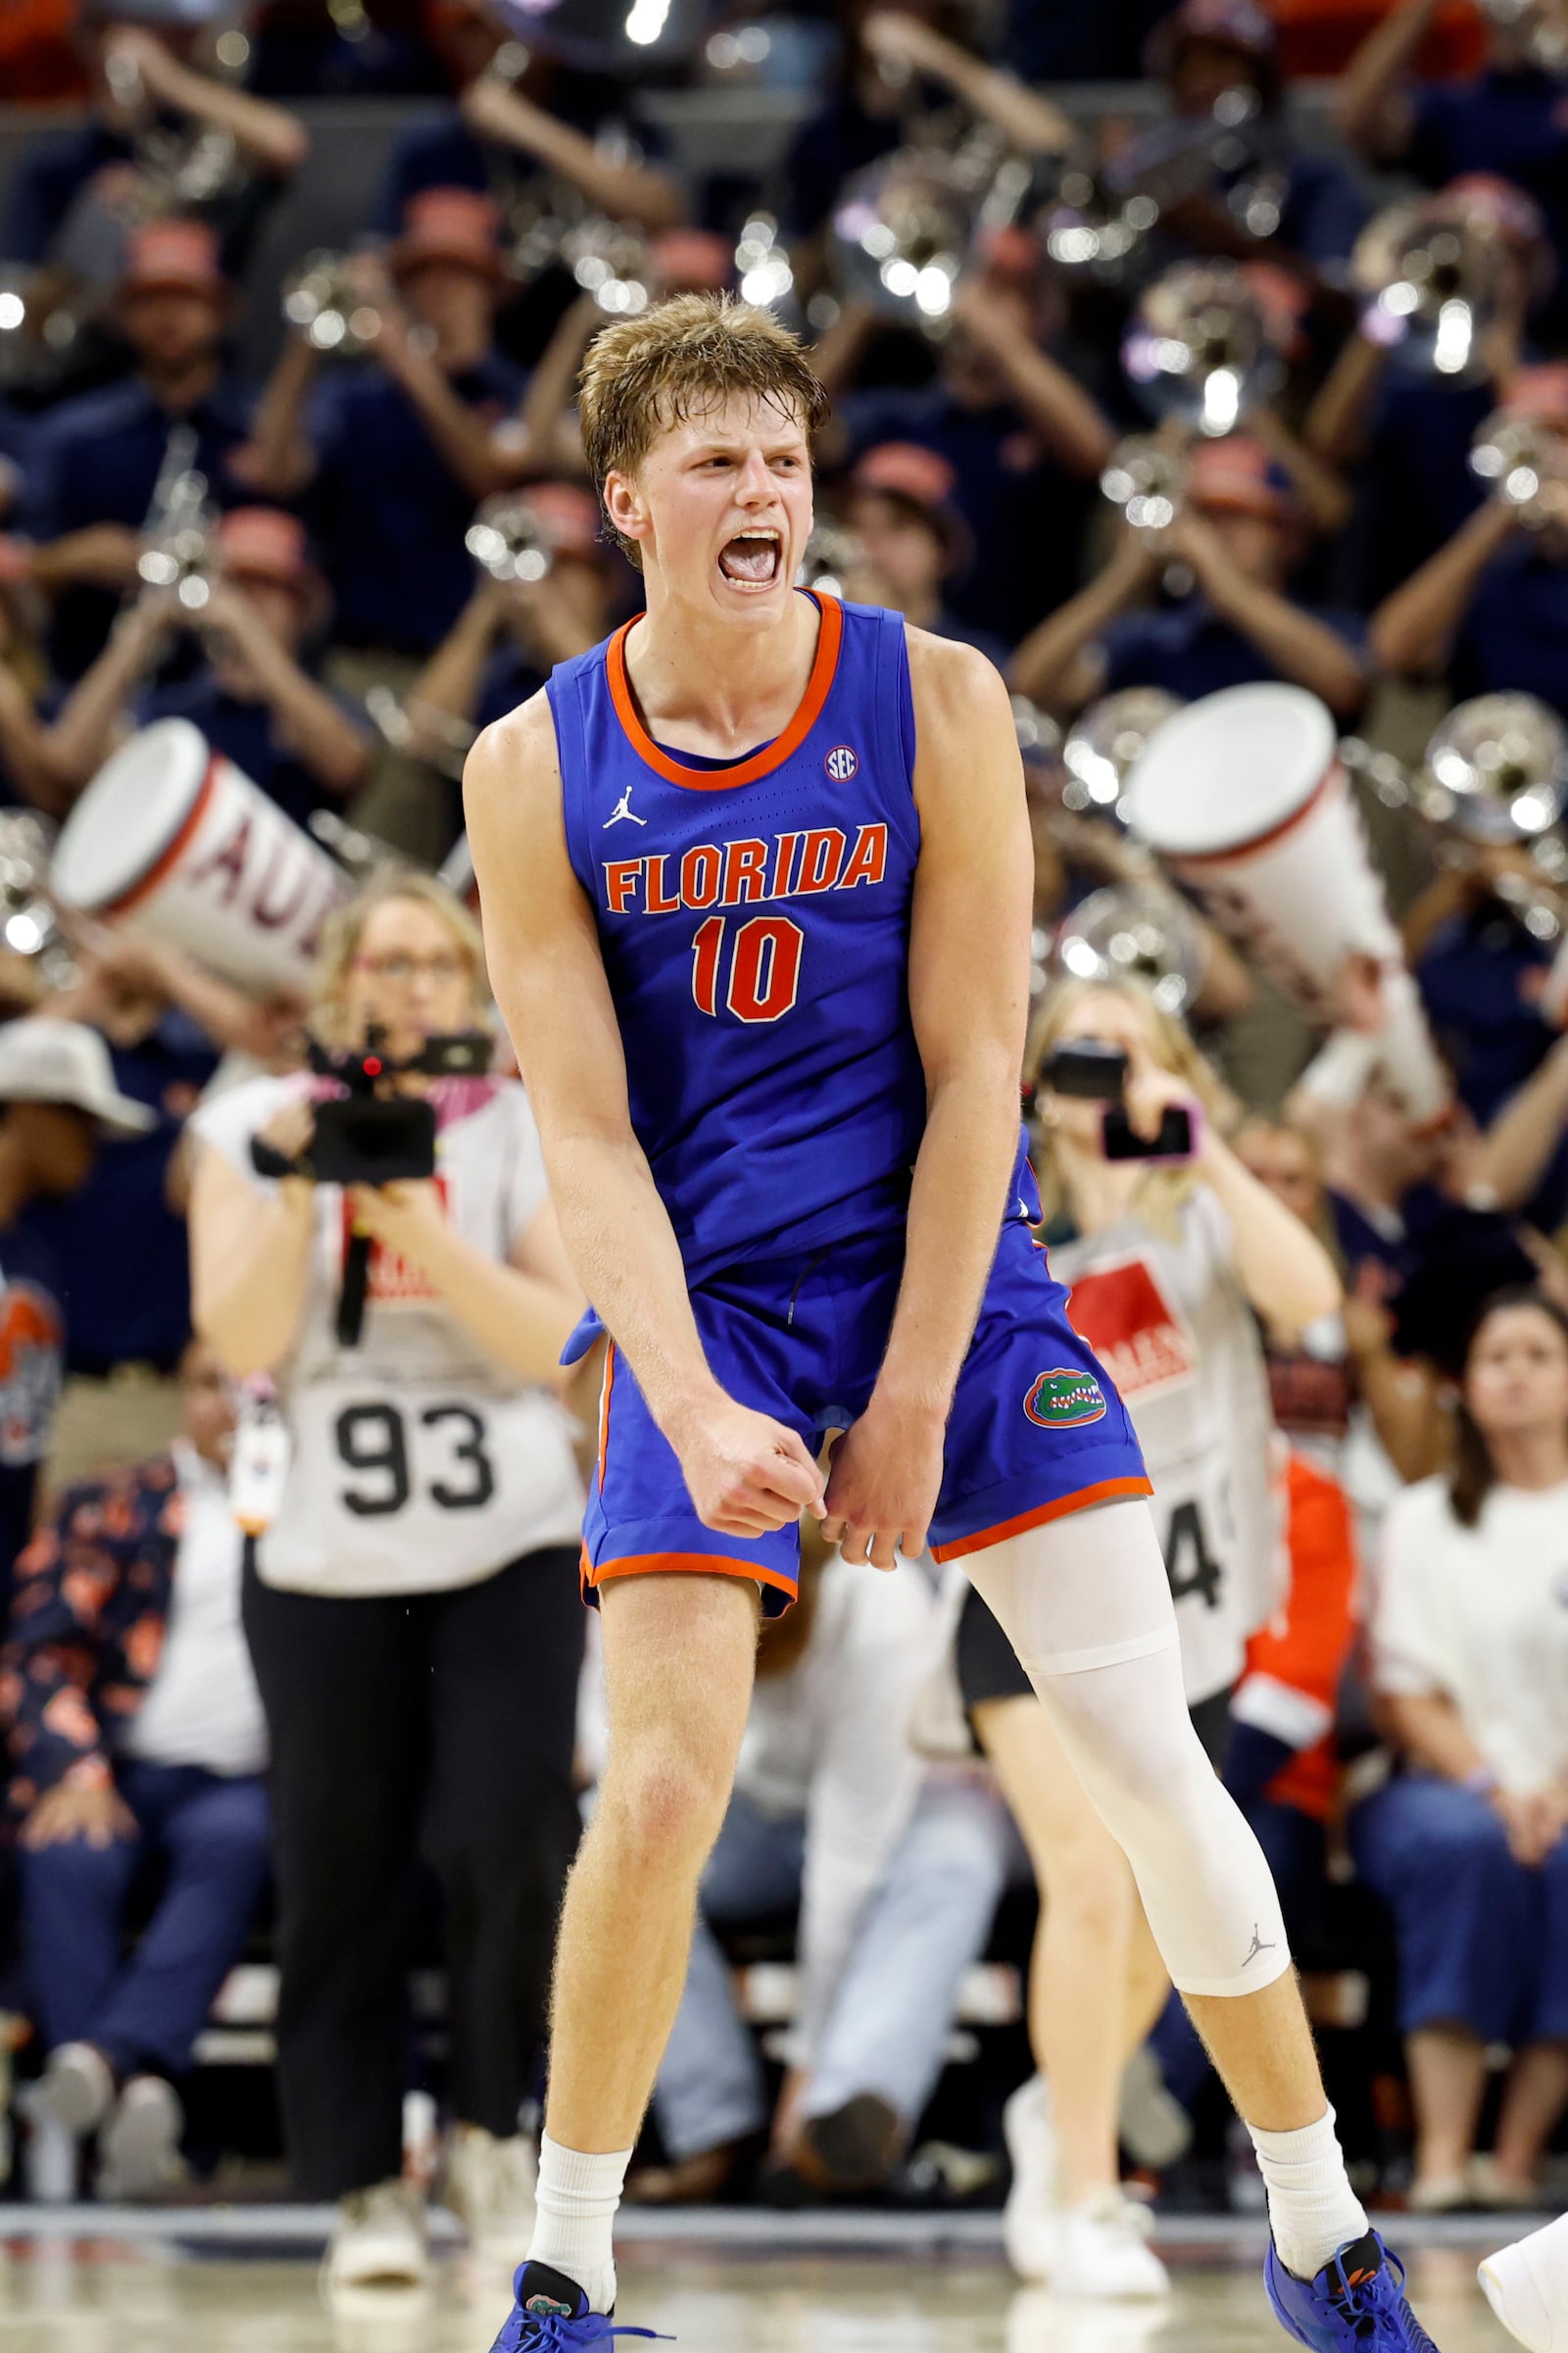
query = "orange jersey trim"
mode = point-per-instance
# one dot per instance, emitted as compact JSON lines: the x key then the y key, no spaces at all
{"x":700,"y":1564}
{"x":1107,"y":1491}
{"x":824,"y":668}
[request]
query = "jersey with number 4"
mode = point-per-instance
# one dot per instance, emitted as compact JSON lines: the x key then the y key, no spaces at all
{"x":1166,"y":1313}
{"x":419,"y":1463}
{"x":753,"y":920}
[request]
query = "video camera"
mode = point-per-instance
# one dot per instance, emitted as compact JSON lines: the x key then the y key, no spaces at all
{"x":369,"y":1135}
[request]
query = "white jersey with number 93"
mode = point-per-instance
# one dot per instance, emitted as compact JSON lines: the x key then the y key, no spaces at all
{"x":419,"y":1463}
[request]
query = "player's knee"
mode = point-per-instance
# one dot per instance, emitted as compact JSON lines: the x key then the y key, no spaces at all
{"x":667,"y":1805}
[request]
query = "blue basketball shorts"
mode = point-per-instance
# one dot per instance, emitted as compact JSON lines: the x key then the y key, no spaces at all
{"x":1036,"y":1428}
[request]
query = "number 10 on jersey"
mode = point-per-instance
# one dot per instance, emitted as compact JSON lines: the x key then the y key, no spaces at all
{"x":755,"y":975}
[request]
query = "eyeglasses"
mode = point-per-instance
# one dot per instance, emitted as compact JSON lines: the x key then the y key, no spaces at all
{"x":445,"y":964}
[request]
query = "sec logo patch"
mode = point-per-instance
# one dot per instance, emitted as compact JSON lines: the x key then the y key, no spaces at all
{"x":842,"y":762}
{"x":1065,"y":1399}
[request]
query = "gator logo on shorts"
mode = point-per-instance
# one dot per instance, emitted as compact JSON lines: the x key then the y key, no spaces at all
{"x":1063,"y":1399}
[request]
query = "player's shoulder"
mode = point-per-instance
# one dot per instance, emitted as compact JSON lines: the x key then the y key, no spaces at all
{"x":953,"y":678}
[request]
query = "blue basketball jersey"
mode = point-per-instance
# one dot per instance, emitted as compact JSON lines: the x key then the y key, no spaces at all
{"x":755,"y":926}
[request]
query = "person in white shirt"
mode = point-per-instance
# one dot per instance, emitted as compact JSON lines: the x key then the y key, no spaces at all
{"x":1466,"y":1842}
{"x":896,"y":1868}
{"x":137,"y":1735}
{"x":414,"y":1606}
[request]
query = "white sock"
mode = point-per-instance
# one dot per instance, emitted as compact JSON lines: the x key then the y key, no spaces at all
{"x":575,"y":2218}
{"x":1312,"y":2209}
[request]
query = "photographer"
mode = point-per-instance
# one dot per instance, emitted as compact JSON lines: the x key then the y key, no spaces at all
{"x":413,"y":1606}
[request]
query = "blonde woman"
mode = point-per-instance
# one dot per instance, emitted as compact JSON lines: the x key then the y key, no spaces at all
{"x":412,"y":1609}
{"x":1165,"y":1262}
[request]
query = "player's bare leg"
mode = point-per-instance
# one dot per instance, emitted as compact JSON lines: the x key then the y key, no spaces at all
{"x":680,"y":1654}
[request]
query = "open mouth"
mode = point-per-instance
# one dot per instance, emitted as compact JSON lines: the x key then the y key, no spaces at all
{"x":752,"y":559}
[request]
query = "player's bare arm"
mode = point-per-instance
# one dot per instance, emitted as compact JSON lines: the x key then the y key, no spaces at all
{"x":969,"y":1002}
{"x":746,"y":1472}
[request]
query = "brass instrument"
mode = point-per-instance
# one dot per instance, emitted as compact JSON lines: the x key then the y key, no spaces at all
{"x":1525,"y":461}
{"x":177,"y":535}
{"x":903,"y":228}
{"x":1147,"y":478}
{"x":831,"y":556}
{"x":1198,"y":347}
{"x":1104,"y":742}
{"x":1495,"y":775}
{"x":1428,"y":271}
{"x":1539,"y":30}
{"x":29,"y":926}
{"x":1100,"y":214}
{"x":179,"y":169}
{"x":510,"y":539}
{"x":1141,"y":929}
{"x":324,"y":300}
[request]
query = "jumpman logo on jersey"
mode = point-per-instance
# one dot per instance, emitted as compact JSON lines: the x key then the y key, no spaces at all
{"x":624,"y":808}
{"x":1259,"y":1945}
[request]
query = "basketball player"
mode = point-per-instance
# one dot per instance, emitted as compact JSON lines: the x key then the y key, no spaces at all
{"x":772,"y":1037}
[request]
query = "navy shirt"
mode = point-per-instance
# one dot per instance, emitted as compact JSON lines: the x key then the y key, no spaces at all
{"x":389,"y":515}
{"x":828,"y":146}
{"x":1515,"y":635}
{"x":1024,"y":512}
{"x":123,"y":1253}
{"x":1190,"y":651}
{"x":33,"y":1355}
{"x":1513,"y":123}
{"x":247,"y":733}
{"x":96,"y":460}
{"x":1480,"y":976}
{"x":1415,"y":486}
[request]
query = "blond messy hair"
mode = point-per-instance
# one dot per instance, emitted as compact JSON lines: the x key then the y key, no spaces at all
{"x":675,"y":360}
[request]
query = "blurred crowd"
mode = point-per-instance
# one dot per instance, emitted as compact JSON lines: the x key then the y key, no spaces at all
{"x":1174,"y":346}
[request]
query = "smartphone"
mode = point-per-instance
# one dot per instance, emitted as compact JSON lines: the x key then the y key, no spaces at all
{"x":1085,"y":1066}
{"x":1176,"y":1140}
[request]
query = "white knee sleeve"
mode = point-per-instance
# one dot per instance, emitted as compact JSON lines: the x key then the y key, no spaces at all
{"x":1085,"y":1603}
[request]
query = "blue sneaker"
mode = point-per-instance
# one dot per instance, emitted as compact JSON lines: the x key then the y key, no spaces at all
{"x":551,"y":2315}
{"x":1356,"y":2304}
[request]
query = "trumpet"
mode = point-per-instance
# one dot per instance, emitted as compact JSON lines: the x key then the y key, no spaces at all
{"x":324,"y":300}
{"x":1148,"y":480}
{"x":1198,"y":347}
{"x":1493,"y":777}
{"x":178,"y":167}
{"x":1525,"y":464}
{"x":1100,"y":214}
{"x":1429,"y":273}
{"x":1140,"y":928}
{"x":903,"y":229}
{"x":30,"y":927}
{"x":177,"y":535}
{"x":1105,"y":741}
{"x":510,"y":539}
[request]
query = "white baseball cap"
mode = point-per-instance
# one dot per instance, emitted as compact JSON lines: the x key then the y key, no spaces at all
{"x":45,"y":1060}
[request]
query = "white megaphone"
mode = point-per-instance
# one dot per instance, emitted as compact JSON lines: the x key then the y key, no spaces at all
{"x":172,"y":838}
{"x":1245,"y":797}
